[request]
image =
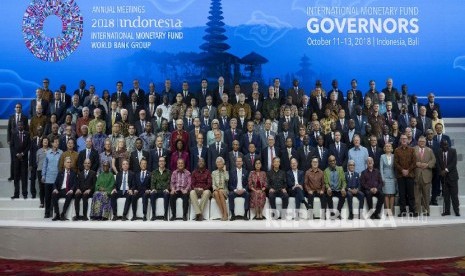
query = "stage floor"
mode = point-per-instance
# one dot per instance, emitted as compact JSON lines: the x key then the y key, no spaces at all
{"x":240,"y":242}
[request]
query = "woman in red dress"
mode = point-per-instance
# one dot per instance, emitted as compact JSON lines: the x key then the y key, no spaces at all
{"x":257,"y":185}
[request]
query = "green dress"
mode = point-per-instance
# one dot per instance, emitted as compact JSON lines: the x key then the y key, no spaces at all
{"x":101,"y":205}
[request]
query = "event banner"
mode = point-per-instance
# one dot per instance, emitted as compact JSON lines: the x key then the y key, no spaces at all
{"x":415,"y":42}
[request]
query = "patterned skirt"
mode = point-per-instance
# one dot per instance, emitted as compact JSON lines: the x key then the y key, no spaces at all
{"x":101,"y":206}
{"x":257,"y":199}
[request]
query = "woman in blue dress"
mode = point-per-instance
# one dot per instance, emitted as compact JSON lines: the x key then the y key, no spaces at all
{"x":386,"y":167}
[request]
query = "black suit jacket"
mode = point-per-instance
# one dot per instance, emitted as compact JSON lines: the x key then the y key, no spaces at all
{"x":143,"y":185}
{"x":314,"y":104}
{"x":63,"y":145}
{"x":202,"y":99}
{"x":254,"y":109}
{"x":134,"y":162}
{"x":342,"y":156}
{"x":193,"y":139}
{"x":377,"y":156}
{"x":286,"y":159}
{"x":216,"y":95}
{"x":94,"y":160}
{"x":265,"y":157}
{"x":140,"y":96}
{"x":19,"y":145}
{"x":153,"y":160}
{"x":108,"y":123}
{"x":232,"y":184}
{"x":323,"y":158}
{"x":427,"y":121}
{"x":213,"y":153}
{"x":60,"y":111}
{"x":133,"y":115}
{"x":32,"y":111}
{"x":281,"y":140}
{"x":60,"y":178}
{"x":33,"y":152}
{"x":82,"y":95}
{"x":249,"y":166}
{"x":228,"y":137}
{"x":224,"y":126}
{"x":291,"y":179}
{"x":124,"y":98}
{"x":12,"y":125}
{"x":119,"y":181}
{"x":85,"y":183}
{"x":305,"y":159}
{"x":451,"y":165}
{"x":194,"y":156}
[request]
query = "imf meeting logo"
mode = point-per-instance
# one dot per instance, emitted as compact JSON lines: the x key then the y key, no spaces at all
{"x":52,"y":48}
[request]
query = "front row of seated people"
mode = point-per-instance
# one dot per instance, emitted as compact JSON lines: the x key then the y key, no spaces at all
{"x":254,"y":186}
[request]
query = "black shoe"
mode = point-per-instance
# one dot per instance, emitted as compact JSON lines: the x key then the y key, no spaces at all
{"x":445,"y":214}
{"x":133,"y":218}
{"x":34,"y":196}
{"x":415,"y":215}
{"x":115,"y":218}
{"x":457,"y":214}
{"x":46,"y":216}
{"x":375,"y":217}
{"x":184,"y":218}
{"x":144,"y":218}
{"x":433,"y":203}
{"x":14,"y":197}
{"x":233,"y":218}
{"x":63,"y":218}
{"x":402,"y":214}
{"x":173,"y":218}
{"x":124,"y":218}
{"x":246,"y":217}
{"x":153,"y":218}
{"x":55,"y":218}
{"x":75,"y":218}
{"x":10,"y":179}
{"x":351,"y":216}
{"x":201,"y":217}
{"x":165,"y":218}
{"x":25,"y":197}
{"x":41,"y":206}
{"x":84,"y":218}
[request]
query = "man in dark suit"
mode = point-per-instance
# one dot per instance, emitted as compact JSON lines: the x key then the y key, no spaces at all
{"x":250,"y":137}
{"x":322,"y":153}
{"x":124,"y":187}
{"x":295,"y":185}
{"x":414,"y":106}
{"x":186,"y":95}
{"x":318,"y":102}
{"x":447,"y":165}
{"x":157,"y":99}
{"x":112,"y":117}
{"x":335,"y":89}
{"x":142,"y":184}
{"x":140,"y":123}
{"x":65,"y":138}
{"x":349,"y":105}
{"x":237,"y":186}
{"x":64,"y":97}
{"x":339,"y":150}
{"x":348,"y":136}
{"x":38,"y":100}
{"x":386,"y":138}
{"x":329,"y":137}
{"x":64,"y":187}
{"x":233,"y":154}
{"x":196,"y":129}
{"x":291,"y":121}
{"x":416,"y":133}
{"x":353,"y":189}
{"x":296,"y":93}
{"x":360,"y":120}
{"x":120,"y":94}
{"x":440,"y":136}
{"x":358,"y":96}
{"x":403,"y":118}
{"x":287,"y":153}
{"x":57,"y":107}
{"x":84,"y":189}
{"x":249,"y":158}
{"x":137,"y":155}
{"x":424,"y":123}
{"x":82,"y":92}
{"x":283,"y":135}
{"x":134,"y":109}
{"x":374,"y":151}
{"x":88,"y":153}
{"x":390,"y":115}
{"x":232,"y":133}
{"x":169,"y":92}
{"x":140,"y":93}
{"x":305,"y":153}
{"x":255,"y":103}
{"x":156,"y":153}
{"x":215,"y":150}
{"x":278,"y":91}
{"x":219,"y":91}
{"x":203,"y":93}
{"x":223,"y":119}
{"x":199,"y":150}
{"x":20,"y":145}
{"x":431,"y":105}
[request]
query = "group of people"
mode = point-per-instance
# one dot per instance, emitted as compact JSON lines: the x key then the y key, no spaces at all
{"x":220,"y":144}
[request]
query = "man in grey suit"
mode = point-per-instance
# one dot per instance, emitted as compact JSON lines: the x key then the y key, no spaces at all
{"x":215,"y":150}
{"x":266,"y":133}
{"x":426,"y":161}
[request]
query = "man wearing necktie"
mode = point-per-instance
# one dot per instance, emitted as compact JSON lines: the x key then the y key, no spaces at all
{"x":426,"y":161}
{"x":447,"y":163}
{"x":64,"y":187}
{"x":20,"y":145}
{"x":86,"y":180}
{"x":124,"y":187}
{"x":141,"y":189}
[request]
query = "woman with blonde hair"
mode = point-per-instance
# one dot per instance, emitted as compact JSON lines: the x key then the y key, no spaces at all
{"x":119,"y":155}
{"x":386,"y":168}
{"x":220,"y":178}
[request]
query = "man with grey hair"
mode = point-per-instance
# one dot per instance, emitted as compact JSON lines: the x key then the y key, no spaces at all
{"x":64,"y":187}
{"x":215,"y":150}
{"x":426,"y":161}
{"x":353,"y":189}
{"x":277,"y":185}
